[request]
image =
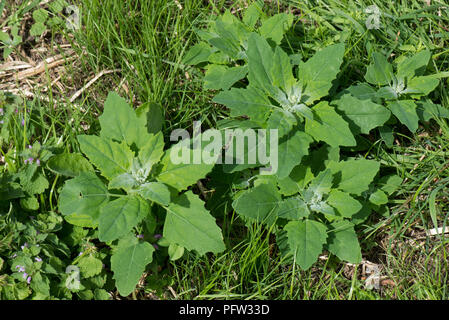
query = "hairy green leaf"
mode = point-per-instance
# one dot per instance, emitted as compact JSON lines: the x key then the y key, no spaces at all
{"x":69,"y":164}
{"x":317,"y":73}
{"x":413,"y":66}
{"x":84,"y":195}
{"x":198,"y":53}
{"x":274,"y":27}
{"x":118,"y":217}
{"x":362,"y":115}
{"x":245,"y":102}
{"x":182,"y":175}
{"x":222,"y":77}
{"x":119,"y":121}
{"x":405,"y":111}
{"x":292,"y":149}
{"x":427,"y":110}
{"x":155,"y":191}
{"x":110,"y":157}
{"x":354,"y":176}
{"x":422,"y":85}
{"x":343,"y":242}
{"x":129,"y":262}
{"x":152,"y":151}
{"x":305,"y":240}
{"x":379,"y":72}
{"x":293,"y":209}
{"x":259,"y":203}
{"x":345,"y":205}
{"x":378,"y":198}
{"x":329,"y":126}
{"x":190,"y":225}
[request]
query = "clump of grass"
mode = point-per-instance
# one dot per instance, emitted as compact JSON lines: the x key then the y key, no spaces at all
{"x":146,"y":40}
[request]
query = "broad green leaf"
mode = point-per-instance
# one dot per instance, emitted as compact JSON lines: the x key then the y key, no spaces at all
{"x":230,"y":33}
{"x":124,"y":181}
{"x":69,"y":164}
{"x":346,"y":205}
{"x":427,"y":110}
{"x":90,"y":266}
{"x":386,"y":133}
{"x":155,"y":191}
{"x":181,"y":176}
{"x":413,"y":66}
{"x":110,"y":157}
{"x":422,"y":85}
{"x":81,"y":220}
{"x":293,"y":209}
{"x":32,"y":181}
{"x":387,"y":93}
{"x":303,"y":111}
{"x":85,"y":294}
{"x":152,"y":151}
{"x":219,"y":58}
{"x":379,"y":72}
{"x":118,"y":217}
{"x":363,"y":214}
{"x":317,"y":73}
{"x":4,"y":37}
{"x":281,"y":120}
{"x":152,"y":115}
{"x":249,"y":102}
{"x":222,"y":77}
{"x":40,"y":15}
{"x":343,"y":242}
{"x":295,"y":59}
{"x":129,"y":262}
{"x":260,"y":63}
{"x":323,"y":207}
{"x":37,"y":29}
{"x":405,"y":111}
{"x":259,"y":203}
{"x":36,"y":185}
{"x":274,"y":27}
{"x":292,"y":148}
{"x":101,"y":294}
{"x":322,"y":184}
{"x":54,"y":21}
{"x":319,"y":158}
{"x":328,"y":126}
{"x":29,"y":203}
{"x":390,"y":183}
{"x":305,"y":240}
{"x":119,"y":121}
{"x":362,"y":91}
{"x":281,"y":74}
{"x":378,"y":197}
{"x":6,"y":52}
{"x":299,"y":177}
{"x":83,"y":195}
{"x":227,"y":46}
{"x":233,"y":25}
{"x":242,"y":150}
{"x":41,"y":285}
{"x":189,"y":224}
{"x":362,"y":115}
{"x":252,"y":14}
{"x":355,"y":175}
{"x":175,"y":252}
{"x":57,"y":5}
{"x":198,"y":53}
